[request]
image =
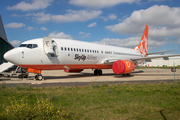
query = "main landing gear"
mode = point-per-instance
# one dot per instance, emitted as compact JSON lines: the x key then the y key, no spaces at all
{"x":38,"y":77}
{"x":126,"y":74}
{"x":97,"y":72}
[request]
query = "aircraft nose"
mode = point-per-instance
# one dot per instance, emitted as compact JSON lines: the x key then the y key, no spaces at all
{"x":12,"y":56}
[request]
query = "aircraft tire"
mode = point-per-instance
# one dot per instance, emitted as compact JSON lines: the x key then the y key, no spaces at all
{"x":128,"y":74}
{"x":97,"y":72}
{"x":26,"y":75}
{"x":100,"y":72}
{"x":38,"y":77}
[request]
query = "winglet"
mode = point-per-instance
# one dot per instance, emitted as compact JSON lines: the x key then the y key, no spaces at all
{"x":143,"y":46}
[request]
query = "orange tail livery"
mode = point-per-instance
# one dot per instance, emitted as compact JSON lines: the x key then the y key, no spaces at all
{"x":143,"y":46}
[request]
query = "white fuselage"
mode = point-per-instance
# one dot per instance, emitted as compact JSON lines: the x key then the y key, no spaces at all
{"x":71,"y":54}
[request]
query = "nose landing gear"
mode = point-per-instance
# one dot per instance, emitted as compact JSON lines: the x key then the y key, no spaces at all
{"x":38,"y":77}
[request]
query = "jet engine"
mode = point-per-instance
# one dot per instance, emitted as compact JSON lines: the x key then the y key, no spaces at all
{"x":123,"y":67}
{"x":73,"y":70}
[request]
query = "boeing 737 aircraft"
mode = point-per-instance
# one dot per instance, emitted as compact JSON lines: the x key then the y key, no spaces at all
{"x":75,"y":56}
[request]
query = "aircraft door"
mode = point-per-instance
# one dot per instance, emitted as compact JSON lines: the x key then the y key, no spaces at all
{"x":51,"y":50}
{"x":50,"y":47}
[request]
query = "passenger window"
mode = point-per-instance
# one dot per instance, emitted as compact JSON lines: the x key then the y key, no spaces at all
{"x":71,"y":49}
{"x":61,"y":48}
{"x":74,"y":49}
{"x":79,"y":50}
{"x":90,"y":50}
{"x":65,"y":48}
{"x":85,"y":50}
{"x":97,"y":51}
{"x":82,"y":50}
{"x":68,"y":49}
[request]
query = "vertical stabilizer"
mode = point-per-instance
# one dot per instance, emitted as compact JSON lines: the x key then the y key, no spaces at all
{"x":143,"y":46}
{"x":2,"y":31}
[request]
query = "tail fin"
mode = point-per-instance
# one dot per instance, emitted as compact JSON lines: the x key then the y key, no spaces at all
{"x":143,"y":46}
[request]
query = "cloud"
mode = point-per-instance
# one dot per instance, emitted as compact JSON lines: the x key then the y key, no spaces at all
{"x":112,"y":16}
{"x":156,"y":0}
{"x":44,"y":28}
{"x":92,"y":24}
{"x":109,"y":17}
{"x":71,"y":16}
{"x":14,"y":25}
{"x":163,"y":22}
{"x":29,"y":28}
{"x":129,"y":42}
{"x":99,"y":3}
{"x":55,"y":34}
{"x":34,"y":5}
{"x":81,"y":32}
{"x":15,"y":42}
{"x":85,"y":34}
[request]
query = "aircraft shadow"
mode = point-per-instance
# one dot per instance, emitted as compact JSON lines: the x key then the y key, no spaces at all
{"x":84,"y":75}
{"x":154,"y":75}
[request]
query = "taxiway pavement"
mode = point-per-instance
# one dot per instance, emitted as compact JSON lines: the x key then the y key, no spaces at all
{"x":59,"y":77}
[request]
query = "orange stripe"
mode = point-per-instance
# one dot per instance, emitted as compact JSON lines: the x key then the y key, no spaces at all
{"x":61,"y":67}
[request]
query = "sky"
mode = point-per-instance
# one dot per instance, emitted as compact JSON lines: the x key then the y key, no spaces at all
{"x":113,"y":22}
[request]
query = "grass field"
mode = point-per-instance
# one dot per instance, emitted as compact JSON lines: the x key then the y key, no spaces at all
{"x":111,"y":102}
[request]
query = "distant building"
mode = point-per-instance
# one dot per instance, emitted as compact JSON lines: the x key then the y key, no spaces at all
{"x":160,"y":62}
{"x":4,"y":44}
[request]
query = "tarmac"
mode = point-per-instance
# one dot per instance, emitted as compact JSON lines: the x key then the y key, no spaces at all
{"x":59,"y":77}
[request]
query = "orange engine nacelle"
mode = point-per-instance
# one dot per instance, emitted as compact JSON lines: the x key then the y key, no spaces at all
{"x":123,"y":67}
{"x":73,"y":70}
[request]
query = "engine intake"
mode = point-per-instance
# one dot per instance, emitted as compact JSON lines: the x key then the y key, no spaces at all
{"x":123,"y":67}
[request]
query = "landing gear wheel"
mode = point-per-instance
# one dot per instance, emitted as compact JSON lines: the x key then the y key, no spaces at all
{"x":100,"y":72}
{"x":128,"y":74}
{"x":26,"y":75}
{"x":97,"y":72}
{"x":38,"y":77}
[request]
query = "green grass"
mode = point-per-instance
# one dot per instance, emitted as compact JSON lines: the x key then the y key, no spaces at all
{"x":122,"y":101}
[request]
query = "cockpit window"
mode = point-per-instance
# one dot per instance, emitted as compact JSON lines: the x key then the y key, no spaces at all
{"x":23,"y":45}
{"x":34,"y":46}
{"x":29,"y":45}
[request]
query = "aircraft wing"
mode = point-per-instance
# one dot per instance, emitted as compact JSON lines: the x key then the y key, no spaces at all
{"x":134,"y":60}
{"x":160,"y":52}
{"x":153,"y":57}
{"x":110,"y":61}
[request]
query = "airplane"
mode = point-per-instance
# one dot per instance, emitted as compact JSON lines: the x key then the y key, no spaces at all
{"x":74,"y":56}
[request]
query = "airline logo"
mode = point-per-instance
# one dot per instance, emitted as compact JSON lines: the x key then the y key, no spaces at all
{"x":84,"y":57}
{"x":143,"y":46}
